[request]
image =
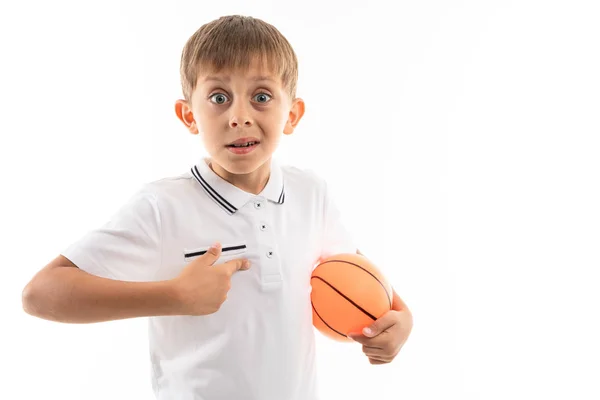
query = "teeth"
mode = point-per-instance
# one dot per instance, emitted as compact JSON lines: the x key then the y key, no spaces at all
{"x":244,"y":145}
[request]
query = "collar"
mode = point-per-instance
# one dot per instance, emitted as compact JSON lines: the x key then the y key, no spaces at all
{"x":231,"y":198}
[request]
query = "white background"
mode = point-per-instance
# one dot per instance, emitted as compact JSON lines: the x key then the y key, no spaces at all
{"x":461,"y":138}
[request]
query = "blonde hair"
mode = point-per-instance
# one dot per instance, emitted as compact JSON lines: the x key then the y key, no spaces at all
{"x":235,"y":42}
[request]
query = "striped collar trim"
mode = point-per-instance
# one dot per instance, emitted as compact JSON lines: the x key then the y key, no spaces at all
{"x":231,"y":198}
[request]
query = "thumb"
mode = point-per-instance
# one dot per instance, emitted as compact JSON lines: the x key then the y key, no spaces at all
{"x":384,"y":322}
{"x":211,"y":256}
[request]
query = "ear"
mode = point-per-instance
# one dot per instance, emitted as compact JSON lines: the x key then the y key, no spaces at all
{"x":294,"y":117}
{"x":184,"y":113}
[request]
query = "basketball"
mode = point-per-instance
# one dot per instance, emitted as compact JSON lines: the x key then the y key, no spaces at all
{"x":348,"y":293}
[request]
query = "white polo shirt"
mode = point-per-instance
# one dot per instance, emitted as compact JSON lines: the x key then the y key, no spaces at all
{"x":260,"y":343}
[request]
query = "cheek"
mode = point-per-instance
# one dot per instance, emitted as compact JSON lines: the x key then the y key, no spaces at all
{"x":207,"y":121}
{"x":274,"y":123}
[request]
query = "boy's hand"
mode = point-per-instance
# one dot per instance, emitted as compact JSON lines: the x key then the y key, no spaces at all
{"x":202,"y":287}
{"x":386,"y":336}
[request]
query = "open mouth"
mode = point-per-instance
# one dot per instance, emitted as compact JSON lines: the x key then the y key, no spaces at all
{"x":242,"y":145}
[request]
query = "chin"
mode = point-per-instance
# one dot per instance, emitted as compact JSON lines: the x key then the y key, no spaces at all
{"x":240,"y":166}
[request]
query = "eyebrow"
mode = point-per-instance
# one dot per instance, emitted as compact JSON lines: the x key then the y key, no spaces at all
{"x":227,"y":79}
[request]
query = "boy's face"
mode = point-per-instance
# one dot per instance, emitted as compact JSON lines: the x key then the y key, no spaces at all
{"x":240,"y":107}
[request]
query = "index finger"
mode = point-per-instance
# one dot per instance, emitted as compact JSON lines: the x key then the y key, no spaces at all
{"x":239,"y":264}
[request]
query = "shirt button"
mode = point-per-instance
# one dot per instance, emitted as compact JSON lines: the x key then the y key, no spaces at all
{"x":258,"y":205}
{"x":270,"y":253}
{"x":263,"y":227}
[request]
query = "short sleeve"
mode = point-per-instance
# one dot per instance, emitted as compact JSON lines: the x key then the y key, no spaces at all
{"x":337,"y":239}
{"x":127,"y":247}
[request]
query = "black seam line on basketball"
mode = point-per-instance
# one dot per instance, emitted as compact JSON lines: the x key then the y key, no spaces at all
{"x":212,"y":192}
{"x":199,"y":253}
{"x":329,"y":326}
{"x":347,"y":298}
{"x":356,"y":265}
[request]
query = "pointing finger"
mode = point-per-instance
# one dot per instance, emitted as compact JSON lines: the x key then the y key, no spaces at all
{"x":239,"y":264}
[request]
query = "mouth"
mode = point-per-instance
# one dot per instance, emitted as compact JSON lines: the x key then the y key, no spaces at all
{"x":243,"y":146}
{"x":244,"y":142}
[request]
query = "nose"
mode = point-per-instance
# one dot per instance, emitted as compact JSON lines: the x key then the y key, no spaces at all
{"x":240,"y":116}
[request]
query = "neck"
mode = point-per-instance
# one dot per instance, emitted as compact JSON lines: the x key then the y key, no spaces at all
{"x":253,"y":182}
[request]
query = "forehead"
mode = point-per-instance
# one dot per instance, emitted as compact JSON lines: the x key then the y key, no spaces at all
{"x":256,"y":71}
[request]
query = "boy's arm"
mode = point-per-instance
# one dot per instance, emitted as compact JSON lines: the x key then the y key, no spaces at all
{"x":64,"y":293}
{"x":398,"y":304}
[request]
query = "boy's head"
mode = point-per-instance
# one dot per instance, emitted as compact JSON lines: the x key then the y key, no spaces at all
{"x":238,"y":77}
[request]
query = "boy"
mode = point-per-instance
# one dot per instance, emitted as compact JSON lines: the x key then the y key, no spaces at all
{"x":220,"y":258}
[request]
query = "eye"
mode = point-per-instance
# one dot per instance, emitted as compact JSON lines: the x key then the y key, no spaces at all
{"x":262,"y":98}
{"x":218,"y":98}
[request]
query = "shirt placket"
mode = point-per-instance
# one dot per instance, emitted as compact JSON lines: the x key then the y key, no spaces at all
{"x":270,"y":259}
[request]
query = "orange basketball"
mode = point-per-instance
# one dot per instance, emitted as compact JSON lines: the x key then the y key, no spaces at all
{"x":348,"y":294}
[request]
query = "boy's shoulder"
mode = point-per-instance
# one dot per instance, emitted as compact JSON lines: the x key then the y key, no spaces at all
{"x":164,"y":188}
{"x":170,"y":182}
{"x":301,"y":175}
{"x":305,"y":180}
